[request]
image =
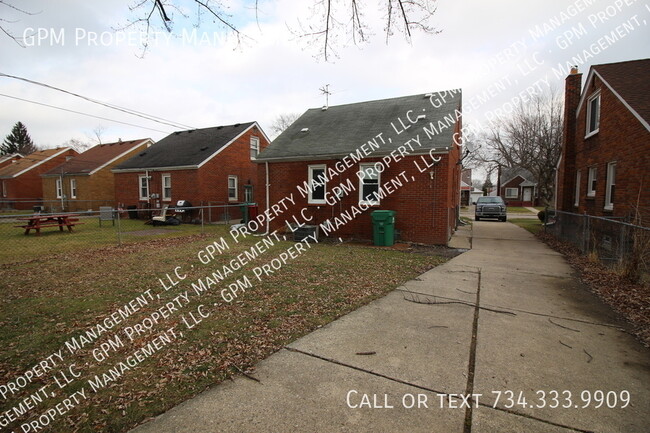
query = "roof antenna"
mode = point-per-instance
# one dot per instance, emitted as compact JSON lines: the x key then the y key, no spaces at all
{"x":325,"y":90}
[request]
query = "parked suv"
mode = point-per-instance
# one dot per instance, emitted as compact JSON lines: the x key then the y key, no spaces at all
{"x":490,"y":207}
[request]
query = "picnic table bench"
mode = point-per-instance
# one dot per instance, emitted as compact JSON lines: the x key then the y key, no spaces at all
{"x":37,"y":222}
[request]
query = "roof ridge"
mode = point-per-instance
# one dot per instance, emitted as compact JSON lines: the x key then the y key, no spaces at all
{"x":456,"y":90}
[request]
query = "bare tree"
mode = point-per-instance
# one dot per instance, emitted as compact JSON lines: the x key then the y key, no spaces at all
{"x":282,"y":122}
{"x":78,"y":145}
{"x":530,"y":138}
{"x":3,"y":27}
{"x":332,"y":23}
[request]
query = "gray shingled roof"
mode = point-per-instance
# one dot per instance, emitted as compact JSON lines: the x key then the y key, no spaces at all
{"x":509,"y":173}
{"x":185,"y":148}
{"x":341,"y":129}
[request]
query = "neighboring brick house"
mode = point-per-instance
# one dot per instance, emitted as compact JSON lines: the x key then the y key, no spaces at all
{"x":604,"y":169}
{"x":415,"y":140}
{"x":465,"y":186}
{"x":21,"y":183}
{"x":203,"y":166}
{"x":86,"y":181}
{"x":517,"y":186}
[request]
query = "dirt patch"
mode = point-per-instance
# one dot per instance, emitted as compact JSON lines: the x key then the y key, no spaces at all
{"x":630,"y":299}
{"x":149,"y":232}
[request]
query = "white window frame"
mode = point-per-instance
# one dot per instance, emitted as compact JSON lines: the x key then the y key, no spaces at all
{"x":249,"y":197}
{"x":508,"y":195}
{"x":592,"y":182}
{"x":254,"y":147}
{"x":576,"y":200}
{"x":311,"y":181}
{"x":4,"y":189}
{"x":593,"y":129}
{"x":234,"y":188}
{"x":362,"y":178}
{"x":142,"y":187}
{"x":59,"y":187}
{"x":164,"y":188}
{"x":611,"y":182}
{"x":73,"y":188}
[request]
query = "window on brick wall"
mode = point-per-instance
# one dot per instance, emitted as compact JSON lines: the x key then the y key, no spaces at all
{"x":143,"y":186}
{"x":255,"y":147}
{"x":317,"y":184}
{"x":59,"y":188}
{"x":4,"y":188}
{"x":512,"y":192}
{"x":611,"y":186}
{"x":167,"y":187}
{"x":368,"y":184}
{"x":73,"y":188}
{"x":591,"y":182}
{"x":232,"y":188}
{"x":593,"y":114}
{"x":576,"y":199}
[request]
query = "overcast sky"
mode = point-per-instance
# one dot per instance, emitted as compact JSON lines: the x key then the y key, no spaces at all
{"x":493,"y":50}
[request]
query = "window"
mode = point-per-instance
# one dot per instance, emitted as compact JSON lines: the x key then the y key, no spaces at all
{"x":59,"y":188}
{"x":143,"y":182}
{"x":611,"y":186}
{"x":368,"y":184}
{"x":248,"y":193}
{"x":255,"y":147}
{"x":4,"y":188}
{"x":591,"y":182}
{"x":167,"y":187}
{"x":317,"y":184}
{"x":73,"y":188}
{"x":576,"y":199}
{"x":593,"y":114}
{"x":232,"y":188}
{"x":512,"y":192}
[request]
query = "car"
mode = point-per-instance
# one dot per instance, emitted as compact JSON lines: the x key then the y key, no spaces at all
{"x":490,"y":207}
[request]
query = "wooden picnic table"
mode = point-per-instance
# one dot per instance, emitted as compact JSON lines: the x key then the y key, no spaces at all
{"x":37,"y":222}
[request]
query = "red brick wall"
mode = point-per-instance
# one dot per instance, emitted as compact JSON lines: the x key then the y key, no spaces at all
{"x":566,"y":183}
{"x":27,"y":189}
{"x":425,"y":205}
{"x":623,"y":139}
{"x":207,"y":184}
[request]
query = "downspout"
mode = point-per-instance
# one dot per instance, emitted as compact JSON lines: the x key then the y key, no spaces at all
{"x":266,"y":166}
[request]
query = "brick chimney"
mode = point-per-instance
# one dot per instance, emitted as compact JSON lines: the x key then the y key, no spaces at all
{"x":567,"y":172}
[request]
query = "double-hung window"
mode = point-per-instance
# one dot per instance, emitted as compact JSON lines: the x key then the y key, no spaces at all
{"x":232,"y":188}
{"x":369,"y":180}
{"x":593,"y":114}
{"x":167,"y":187}
{"x":317,"y":184}
{"x":255,"y":147}
{"x":59,"y":188}
{"x":591,"y":182}
{"x":143,"y":183}
{"x":73,"y":188}
{"x":576,"y":199}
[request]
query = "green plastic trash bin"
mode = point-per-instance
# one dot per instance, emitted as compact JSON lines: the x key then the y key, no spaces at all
{"x":383,"y":227}
{"x":244,"y":213}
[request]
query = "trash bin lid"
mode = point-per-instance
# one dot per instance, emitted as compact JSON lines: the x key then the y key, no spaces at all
{"x":381,"y":215}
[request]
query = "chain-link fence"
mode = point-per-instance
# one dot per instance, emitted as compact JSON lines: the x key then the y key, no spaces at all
{"x":612,"y":240}
{"x":27,"y":235}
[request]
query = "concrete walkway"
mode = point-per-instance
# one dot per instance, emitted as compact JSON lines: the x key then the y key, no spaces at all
{"x":536,"y":334}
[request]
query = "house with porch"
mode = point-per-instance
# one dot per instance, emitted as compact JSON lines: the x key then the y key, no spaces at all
{"x":20,"y":181}
{"x":604,"y":168}
{"x":335,"y":165}
{"x":86,"y":182}
{"x":208,"y":166}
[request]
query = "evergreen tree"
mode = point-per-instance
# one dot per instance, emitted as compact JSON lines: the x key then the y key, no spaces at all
{"x":487,"y":186}
{"x":18,"y":141}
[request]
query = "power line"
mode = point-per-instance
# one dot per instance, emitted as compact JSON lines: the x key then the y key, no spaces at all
{"x":83,"y":114}
{"x":105,"y":104}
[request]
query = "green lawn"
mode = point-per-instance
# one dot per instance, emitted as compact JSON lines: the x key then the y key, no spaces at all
{"x":518,"y":209}
{"x":88,"y":235}
{"x":533,"y":225}
{"x":50,"y":299}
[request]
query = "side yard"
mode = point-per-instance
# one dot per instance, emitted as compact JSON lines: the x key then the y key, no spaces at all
{"x":52,"y":301}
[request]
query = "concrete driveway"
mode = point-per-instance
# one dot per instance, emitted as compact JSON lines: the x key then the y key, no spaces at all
{"x":502,"y":338}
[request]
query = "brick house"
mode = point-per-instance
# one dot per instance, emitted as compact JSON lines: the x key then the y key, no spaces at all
{"x":465,"y":186}
{"x":86,"y":181}
{"x":340,"y":163}
{"x":604,"y":169}
{"x":21,"y":183}
{"x":517,"y":186}
{"x":6,"y":160}
{"x":203,"y":166}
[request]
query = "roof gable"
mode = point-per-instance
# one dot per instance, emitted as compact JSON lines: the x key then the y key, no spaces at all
{"x":31,"y":161}
{"x":340,"y":130}
{"x":508,"y":174}
{"x":628,"y":81}
{"x":186,"y":149}
{"x":97,"y":157}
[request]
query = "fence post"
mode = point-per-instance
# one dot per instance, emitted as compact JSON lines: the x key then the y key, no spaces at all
{"x":202,"y":222}
{"x":585,"y":239}
{"x":118,"y":228}
{"x":545,"y":217}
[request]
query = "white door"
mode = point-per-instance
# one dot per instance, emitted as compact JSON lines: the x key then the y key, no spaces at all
{"x":527,"y":194}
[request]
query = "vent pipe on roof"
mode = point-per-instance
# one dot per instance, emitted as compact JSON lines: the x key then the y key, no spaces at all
{"x":324,"y":108}
{"x":304,"y":130}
